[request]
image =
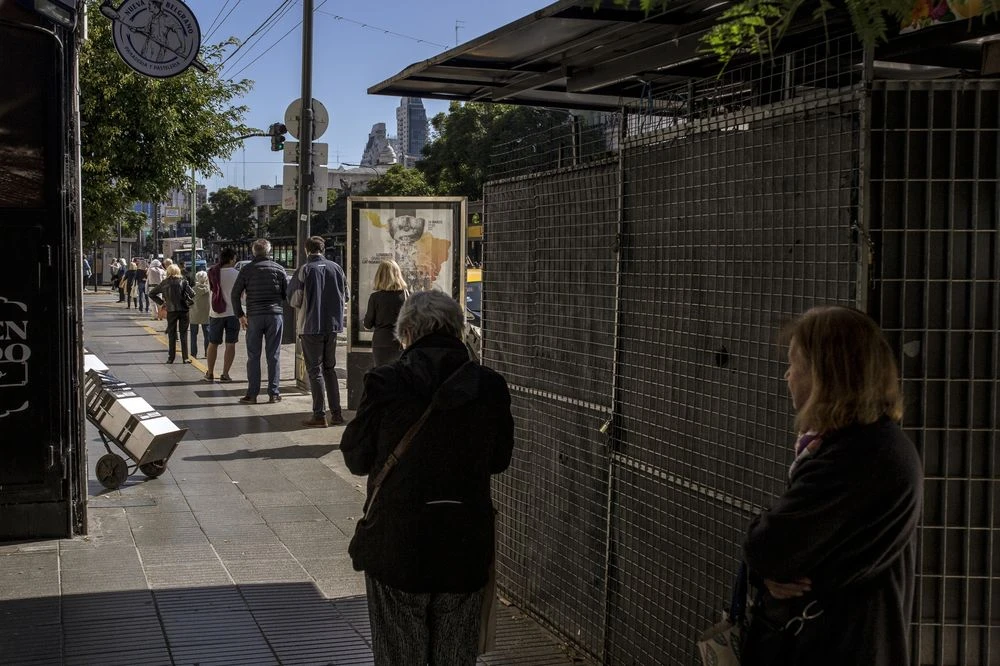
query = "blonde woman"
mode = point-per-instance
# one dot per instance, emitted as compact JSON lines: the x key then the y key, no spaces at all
{"x":383,"y":309}
{"x":834,"y":555}
{"x":176,"y":294}
{"x":198,"y":315}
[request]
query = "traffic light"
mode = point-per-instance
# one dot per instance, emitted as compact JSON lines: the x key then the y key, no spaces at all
{"x":277,"y":132}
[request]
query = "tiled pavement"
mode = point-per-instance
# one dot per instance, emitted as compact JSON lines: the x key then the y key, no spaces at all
{"x":236,"y":555}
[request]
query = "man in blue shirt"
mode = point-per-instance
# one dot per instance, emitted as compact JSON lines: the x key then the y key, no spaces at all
{"x":318,"y":290}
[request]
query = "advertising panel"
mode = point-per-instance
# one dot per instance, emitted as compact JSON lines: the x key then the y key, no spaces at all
{"x":425,"y":236}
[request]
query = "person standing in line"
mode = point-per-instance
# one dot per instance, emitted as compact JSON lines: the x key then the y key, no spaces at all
{"x":199,"y":311}
{"x":176,"y":294}
{"x":835,"y":555}
{"x":131,"y":286}
{"x":86,"y":271}
{"x":141,"y":276}
{"x":222,"y":321}
{"x":114,"y":270}
{"x":320,"y":318}
{"x":264,"y":282}
{"x":122,"y":282}
{"x":154,"y":276}
{"x":427,"y":539}
{"x":383,"y":309}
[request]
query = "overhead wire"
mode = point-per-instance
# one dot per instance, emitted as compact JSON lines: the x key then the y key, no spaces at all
{"x":211,"y":28}
{"x":383,"y":30}
{"x":245,"y":67}
{"x":251,"y":44}
{"x":284,"y":5}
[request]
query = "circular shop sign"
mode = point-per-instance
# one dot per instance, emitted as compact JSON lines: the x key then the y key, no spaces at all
{"x":158,"y":38}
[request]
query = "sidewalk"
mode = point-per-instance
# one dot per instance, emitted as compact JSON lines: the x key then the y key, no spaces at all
{"x":236,"y":555}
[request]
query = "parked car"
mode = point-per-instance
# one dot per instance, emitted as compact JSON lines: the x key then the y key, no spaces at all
{"x":240,"y":264}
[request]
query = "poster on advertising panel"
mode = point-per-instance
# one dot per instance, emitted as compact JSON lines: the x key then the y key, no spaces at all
{"x":424,"y":236}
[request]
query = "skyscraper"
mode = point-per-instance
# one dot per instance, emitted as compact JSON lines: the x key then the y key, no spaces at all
{"x":411,"y":130}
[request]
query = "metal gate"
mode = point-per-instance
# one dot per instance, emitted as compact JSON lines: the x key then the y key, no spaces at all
{"x":936,"y":190}
{"x":632,"y":304}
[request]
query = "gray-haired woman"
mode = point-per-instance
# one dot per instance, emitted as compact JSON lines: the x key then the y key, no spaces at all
{"x":426,"y":543}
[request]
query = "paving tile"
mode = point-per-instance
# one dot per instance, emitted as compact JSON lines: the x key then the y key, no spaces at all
{"x":266,"y":571}
{"x":159,"y":555}
{"x":187,"y":574}
{"x":284,"y":498}
{"x":170,"y":536}
{"x":252,"y":533}
{"x":243,"y":551}
{"x":171,"y":504}
{"x":188,"y":601}
{"x":210,"y":489}
{"x":161,"y":521}
{"x":334,"y":587}
{"x":27,"y":575}
{"x":291,"y":514}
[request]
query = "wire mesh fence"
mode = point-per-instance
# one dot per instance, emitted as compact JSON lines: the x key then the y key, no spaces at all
{"x":935,"y":178}
{"x":637,"y":267}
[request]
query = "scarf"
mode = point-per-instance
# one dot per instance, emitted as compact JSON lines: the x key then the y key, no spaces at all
{"x":806,"y":445}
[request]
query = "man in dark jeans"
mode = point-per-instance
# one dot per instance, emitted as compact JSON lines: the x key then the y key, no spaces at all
{"x":264,"y":282}
{"x":319,"y":319}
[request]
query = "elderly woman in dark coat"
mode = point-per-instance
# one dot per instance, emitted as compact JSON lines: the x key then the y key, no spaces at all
{"x":426,"y":542}
{"x":836,"y":552}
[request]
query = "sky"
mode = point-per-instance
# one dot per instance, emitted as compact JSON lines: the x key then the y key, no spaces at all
{"x":368,"y":43}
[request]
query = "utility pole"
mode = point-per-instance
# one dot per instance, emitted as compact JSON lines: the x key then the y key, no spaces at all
{"x":458,"y":24}
{"x":194,"y":226}
{"x":302,"y":230}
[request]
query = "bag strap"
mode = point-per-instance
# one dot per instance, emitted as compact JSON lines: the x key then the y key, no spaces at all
{"x":405,"y":442}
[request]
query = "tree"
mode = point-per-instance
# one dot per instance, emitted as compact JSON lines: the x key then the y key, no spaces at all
{"x":755,"y":26}
{"x":283,"y":222}
{"x":229,"y":213}
{"x":461,"y":157}
{"x":141,"y":136}
{"x":399,"y":181}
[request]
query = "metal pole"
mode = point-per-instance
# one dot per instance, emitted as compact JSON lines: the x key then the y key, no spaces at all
{"x":305,"y":136}
{"x":194,"y":225}
{"x":119,"y":239}
{"x":305,"y":167}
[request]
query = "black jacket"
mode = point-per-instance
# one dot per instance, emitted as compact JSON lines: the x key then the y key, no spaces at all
{"x":431,"y":527}
{"x":383,"y":309}
{"x":848,"y":522}
{"x":174,"y":293}
{"x":264,"y":282}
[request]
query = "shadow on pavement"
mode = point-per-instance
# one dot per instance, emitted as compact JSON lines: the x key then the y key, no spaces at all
{"x":242,"y":624}
{"x":296,"y":451}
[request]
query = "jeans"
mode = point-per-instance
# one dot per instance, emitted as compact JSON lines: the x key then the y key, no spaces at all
{"x":142,"y":300}
{"x":177,"y":322}
{"x":263,"y":331}
{"x":320,"y":353}
{"x":194,"y":338}
{"x":410,"y":629}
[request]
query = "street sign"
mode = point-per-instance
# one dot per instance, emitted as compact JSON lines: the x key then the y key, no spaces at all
{"x":320,"y":181}
{"x":293,"y":116}
{"x":321,"y":152}
{"x":290,"y":188}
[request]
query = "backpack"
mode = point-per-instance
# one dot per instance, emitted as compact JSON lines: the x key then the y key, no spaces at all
{"x":215,"y":285}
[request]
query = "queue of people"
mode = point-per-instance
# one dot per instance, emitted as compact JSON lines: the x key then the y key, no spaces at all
{"x":827,"y":571}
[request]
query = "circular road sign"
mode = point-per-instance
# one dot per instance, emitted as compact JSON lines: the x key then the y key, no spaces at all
{"x":293,"y":116}
{"x":155,"y":38}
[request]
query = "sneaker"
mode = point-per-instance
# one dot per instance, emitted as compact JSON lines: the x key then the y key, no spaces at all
{"x":315,"y":422}
{"x":273,"y":399}
{"x":249,"y":400}
{"x":187,"y":360}
{"x":225,"y":378}
{"x":208,"y":378}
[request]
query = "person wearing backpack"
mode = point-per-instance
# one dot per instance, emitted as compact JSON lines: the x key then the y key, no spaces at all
{"x":177,"y":297}
{"x":223,"y":324}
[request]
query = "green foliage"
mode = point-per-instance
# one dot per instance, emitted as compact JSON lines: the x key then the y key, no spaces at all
{"x":141,"y":136}
{"x":458,"y":160}
{"x":332,"y":220}
{"x":399,"y":181}
{"x":228,"y":214}
{"x":755,"y":26}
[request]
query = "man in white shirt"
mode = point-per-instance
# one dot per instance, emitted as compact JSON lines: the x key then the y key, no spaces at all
{"x":222,"y":319}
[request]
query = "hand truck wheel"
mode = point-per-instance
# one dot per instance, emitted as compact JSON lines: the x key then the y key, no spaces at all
{"x":112,"y":470}
{"x":153,"y":469}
